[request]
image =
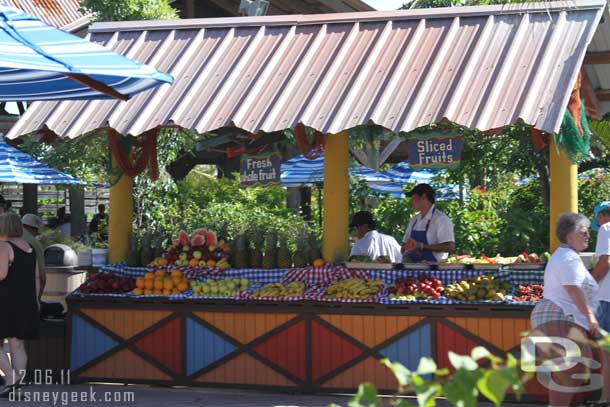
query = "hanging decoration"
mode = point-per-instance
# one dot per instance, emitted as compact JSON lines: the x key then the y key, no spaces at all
{"x":134,"y":155}
{"x":310,"y":149}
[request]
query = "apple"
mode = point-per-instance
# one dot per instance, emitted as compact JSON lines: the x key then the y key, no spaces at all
{"x":197,"y":254}
{"x":202,"y":263}
{"x":186,"y":248}
{"x":211,"y":248}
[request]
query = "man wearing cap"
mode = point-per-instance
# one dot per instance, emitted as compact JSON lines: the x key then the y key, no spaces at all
{"x":429,"y":236}
{"x":372,"y":243}
{"x":32,"y":226}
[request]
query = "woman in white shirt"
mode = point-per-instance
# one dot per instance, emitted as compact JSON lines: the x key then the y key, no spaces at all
{"x":569,"y":289}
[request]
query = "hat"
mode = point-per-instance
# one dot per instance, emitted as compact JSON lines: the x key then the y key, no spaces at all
{"x":362,"y":218}
{"x":422,"y":189}
{"x":29,"y":219}
{"x":600,"y":207}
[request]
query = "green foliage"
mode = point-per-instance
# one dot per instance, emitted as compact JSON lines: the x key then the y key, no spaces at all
{"x":129,"y":10}
{"x":477,"y":374}
{"x":85,"y":157}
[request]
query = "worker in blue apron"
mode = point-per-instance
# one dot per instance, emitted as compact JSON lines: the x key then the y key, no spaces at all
{"x":429,"y":236}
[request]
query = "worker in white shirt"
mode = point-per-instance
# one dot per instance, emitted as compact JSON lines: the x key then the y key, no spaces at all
{"x":372,"y":243}
{"x":429,"y":236}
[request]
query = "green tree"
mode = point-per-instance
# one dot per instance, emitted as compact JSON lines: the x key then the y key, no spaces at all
{"x":129,"y":10}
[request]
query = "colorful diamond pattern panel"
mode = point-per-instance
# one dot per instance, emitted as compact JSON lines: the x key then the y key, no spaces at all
{"x":286,"y":349}
{"x":88,"y":342}
{"x":164,"y":344}
{"x":245,"y":369}
{"x":447,"y":340}
{"x":411,"y":347}
{"x":125,"y":364}
{"x":504,"y":333}
{"x":247,"y":326}
{"x":369,"y":370}
{"x":125,"y":323}
{"x":371,"y":330}
{"x":329,"y":351}
{"x":203,"y":346}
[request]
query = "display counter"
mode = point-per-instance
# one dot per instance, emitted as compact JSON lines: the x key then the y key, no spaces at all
{"x":308,"y":346}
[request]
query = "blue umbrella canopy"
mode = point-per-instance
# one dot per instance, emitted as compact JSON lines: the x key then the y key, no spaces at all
{"x":17,"y":167}
{"x":301,"y":171}
{"x":396,"y":190}
{"x":41,"y":62}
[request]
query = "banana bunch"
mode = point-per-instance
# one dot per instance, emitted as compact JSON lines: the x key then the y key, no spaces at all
{"x":478,"y":289}
{"x":293,"y":289}
{"x":223,"y":264}
{"x":354,"y":288}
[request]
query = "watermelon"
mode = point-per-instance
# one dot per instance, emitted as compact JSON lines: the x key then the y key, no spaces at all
{"x":210,"y":238}
{"x":200,"y":232}
{"x":198,"y":240}
{"x":183,"y":237}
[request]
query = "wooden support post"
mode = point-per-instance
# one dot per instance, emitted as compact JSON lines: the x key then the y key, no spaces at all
{"x":336,"y":197}
{"x":564,"y":188}
{"x":78,"y":221}
{"x":120,"y":216}
{"x":30,"y":198}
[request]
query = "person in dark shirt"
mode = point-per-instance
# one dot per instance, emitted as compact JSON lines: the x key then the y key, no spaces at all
{"x":99,"y":216}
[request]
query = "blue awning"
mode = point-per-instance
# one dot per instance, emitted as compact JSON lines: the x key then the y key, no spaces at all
{"x":17,"y":167}
{"x":301,"y":171}
{"x":41,"y":62}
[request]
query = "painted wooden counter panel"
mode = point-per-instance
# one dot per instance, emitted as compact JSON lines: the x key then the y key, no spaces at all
{"x":308,"y":347}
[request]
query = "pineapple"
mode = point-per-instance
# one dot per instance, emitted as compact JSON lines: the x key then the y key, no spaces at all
{"x":300,"y":256}
{"x":241,"y":259}
{"x":314,"y":248}
{"x":270,"y":256}
{"x":284,"y":257}
{"x":256,"y":251}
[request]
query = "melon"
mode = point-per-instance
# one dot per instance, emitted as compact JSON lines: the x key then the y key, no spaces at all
{"x":198,"y":240}
{"x":210,"y":238}
{"x":200,"y":232}
{"x":183,"y":237}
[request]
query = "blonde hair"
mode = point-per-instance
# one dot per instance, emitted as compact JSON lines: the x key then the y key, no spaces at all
{"x":10,"y":225}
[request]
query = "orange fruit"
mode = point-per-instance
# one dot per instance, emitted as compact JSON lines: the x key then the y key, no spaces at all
{"x":158,"y":284}
{"x":157,"y":292}
{"x":183,"y":286}
{"x":210,"y":263}
{"x":140,"y":282}
{"x":160,"y":273}
{"x":175,"y":291}
{"x":149,"y":284}
{"x":185,"y":281}
{"x":176,"y":273}
{"x":162,"y":262}
{"x":138,"y":291}
{"x":167,"y":292}
{"x":318,"y":263}
{"x":149,"y":276}
{"x":168,"y":284}
{"x":176,"y":281}
{"x":194,"y":263}
{"x":148,"y":292}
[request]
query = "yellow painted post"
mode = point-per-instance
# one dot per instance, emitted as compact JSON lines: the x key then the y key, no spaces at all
{"x":336,"y":197}
{"x":120,"y":218}
{"x":564,"y":188}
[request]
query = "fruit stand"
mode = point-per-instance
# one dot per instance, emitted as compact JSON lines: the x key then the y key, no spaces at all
{"x":311,"y":329}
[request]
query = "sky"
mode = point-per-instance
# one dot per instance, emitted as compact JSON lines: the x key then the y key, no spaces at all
{"x":385,"y":4}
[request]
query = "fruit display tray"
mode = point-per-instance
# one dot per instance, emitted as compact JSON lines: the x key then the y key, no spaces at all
{"x":369,"y":266}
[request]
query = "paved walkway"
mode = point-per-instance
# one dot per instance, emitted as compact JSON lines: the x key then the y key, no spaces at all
{"x":145,"y":396}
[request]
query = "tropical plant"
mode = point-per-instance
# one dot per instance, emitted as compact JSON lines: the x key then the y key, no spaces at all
{"x":129,"y":10}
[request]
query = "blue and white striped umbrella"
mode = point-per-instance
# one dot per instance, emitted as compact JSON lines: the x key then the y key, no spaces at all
{"x":17,"y":167}
{"x":404,"y":174}
{"x":396,"y":190}
{"x":301,"y":171}
{"x":41,"y":62}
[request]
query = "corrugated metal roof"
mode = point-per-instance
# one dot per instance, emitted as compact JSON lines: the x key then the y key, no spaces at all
{"x":64,"y":14}
{"x":481,"y":67}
